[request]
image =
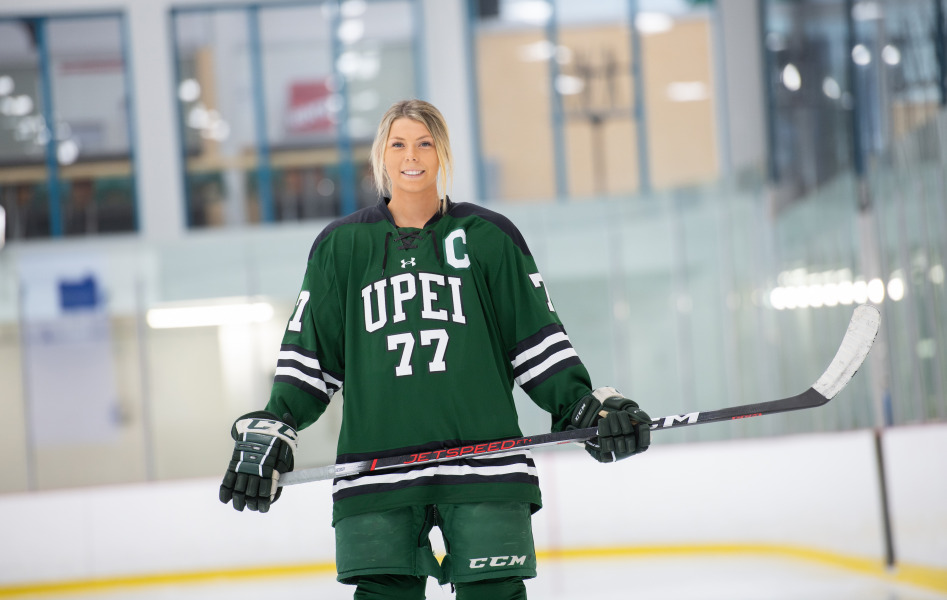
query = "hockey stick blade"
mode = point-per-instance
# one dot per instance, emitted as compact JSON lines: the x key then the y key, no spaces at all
{"x":859,"y":337}
{"x":855,"y":346}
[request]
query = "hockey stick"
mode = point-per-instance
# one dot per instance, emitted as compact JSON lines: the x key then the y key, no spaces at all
{"x":851,"y":354}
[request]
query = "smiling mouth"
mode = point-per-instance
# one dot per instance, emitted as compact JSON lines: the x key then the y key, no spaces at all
{"x":411,"y":173}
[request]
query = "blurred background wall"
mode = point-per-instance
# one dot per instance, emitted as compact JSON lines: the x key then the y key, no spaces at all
{"x":708,"y":187}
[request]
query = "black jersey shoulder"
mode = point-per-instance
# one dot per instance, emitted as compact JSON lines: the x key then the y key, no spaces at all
{"x":370,"y":214}
{"x":460,"y":210}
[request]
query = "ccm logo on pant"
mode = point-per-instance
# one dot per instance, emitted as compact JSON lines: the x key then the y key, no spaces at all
{"x":497,"y":561}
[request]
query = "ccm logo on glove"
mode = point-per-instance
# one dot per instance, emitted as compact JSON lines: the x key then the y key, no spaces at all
{"x":269,"y":427}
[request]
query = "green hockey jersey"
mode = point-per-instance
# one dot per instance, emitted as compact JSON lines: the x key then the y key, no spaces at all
{"x":426,"y":330}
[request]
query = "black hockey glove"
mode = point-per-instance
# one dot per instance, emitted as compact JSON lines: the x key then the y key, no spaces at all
{"x":264,"y":449}
{"x":623,"y":428}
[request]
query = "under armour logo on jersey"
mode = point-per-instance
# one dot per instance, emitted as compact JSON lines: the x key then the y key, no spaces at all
{"x":410,"y":261}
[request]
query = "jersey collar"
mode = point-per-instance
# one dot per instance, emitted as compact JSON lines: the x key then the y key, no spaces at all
{"x":383,"y":207}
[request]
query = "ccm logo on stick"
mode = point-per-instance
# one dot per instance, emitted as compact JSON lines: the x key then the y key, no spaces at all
{"x":497,"y":561}
{"x":689,"y":418}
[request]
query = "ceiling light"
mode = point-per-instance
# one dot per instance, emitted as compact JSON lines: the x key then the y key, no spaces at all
{"x":861,"y":55}
{"x":6,"y":85}
{"x":534,"y":12}
{"x":189,"y":90}
{"x":791,"y":77}
{"x":831,"y":88}
{"x":891,"y":55}
{"x":209,"y":316}
{"x":687,"y":91}
{"x":649,"y":23}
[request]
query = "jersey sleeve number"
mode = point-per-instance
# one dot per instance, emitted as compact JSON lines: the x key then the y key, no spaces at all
{"x":406,"y":342}
{"x":296,"y":323}
{"x":537,"y":280}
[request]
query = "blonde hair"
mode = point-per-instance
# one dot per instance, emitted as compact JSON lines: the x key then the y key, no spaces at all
{"x":426,"y":114}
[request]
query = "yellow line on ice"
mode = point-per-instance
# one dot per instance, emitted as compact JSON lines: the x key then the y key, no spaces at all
{"x":80,"y":586}
{"x":927,"y":577}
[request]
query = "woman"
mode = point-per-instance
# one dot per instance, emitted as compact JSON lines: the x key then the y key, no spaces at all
{"x":426,"y":311}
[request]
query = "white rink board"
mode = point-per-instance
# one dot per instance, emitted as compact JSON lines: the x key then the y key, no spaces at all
{"x":916,"y":459}
{"x":813,"y":491}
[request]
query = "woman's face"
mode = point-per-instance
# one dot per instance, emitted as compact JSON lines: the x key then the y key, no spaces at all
{"x":411,"y":159}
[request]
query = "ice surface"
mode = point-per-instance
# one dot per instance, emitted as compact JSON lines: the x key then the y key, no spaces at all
{"x":694,"y":577}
